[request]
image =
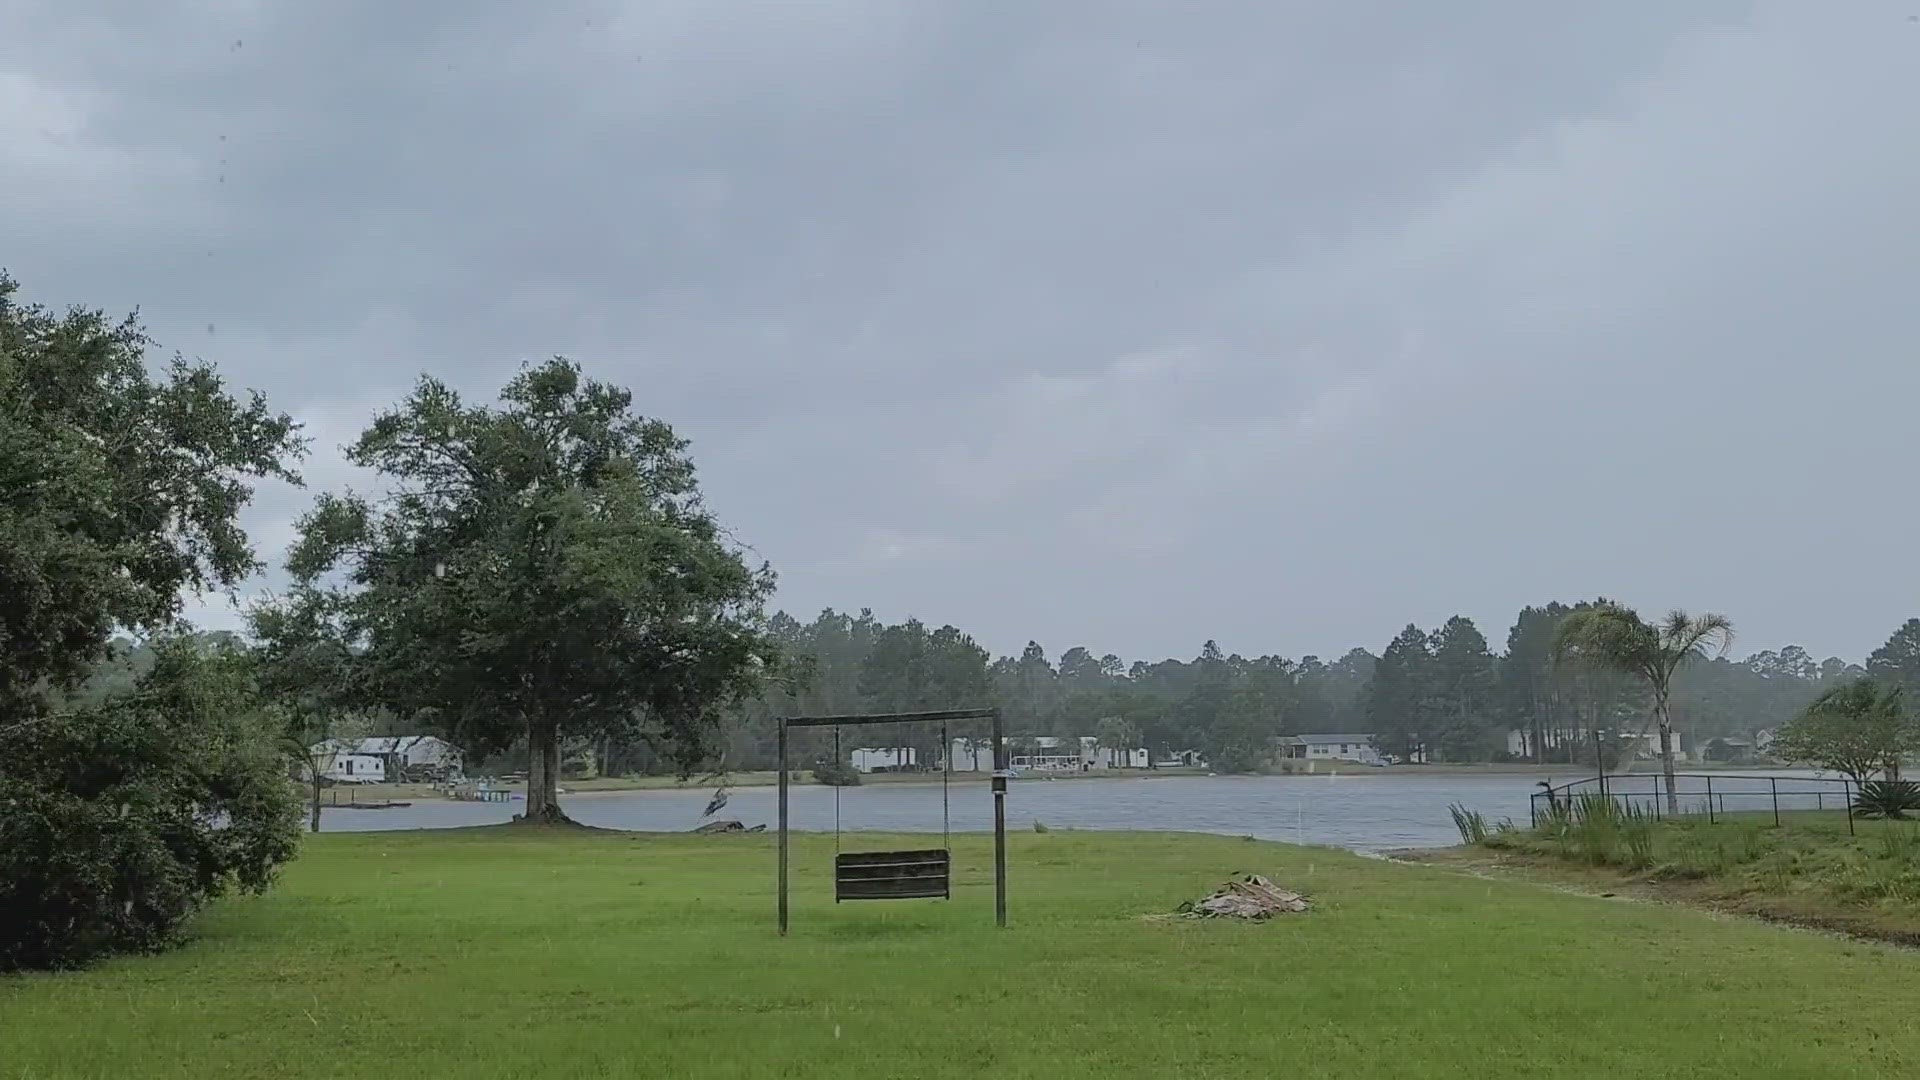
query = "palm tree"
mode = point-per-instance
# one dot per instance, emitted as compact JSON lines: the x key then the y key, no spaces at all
{"x":1612,"y":635}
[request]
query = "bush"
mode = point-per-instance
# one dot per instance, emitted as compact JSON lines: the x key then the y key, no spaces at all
{"x":836,"y":774}
{"x":1887,"y":798}
{"x":118,"y":821}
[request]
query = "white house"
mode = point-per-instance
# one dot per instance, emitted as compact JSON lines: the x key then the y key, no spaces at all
{"x":398,"y":753}
{"x":1046,"y":754}
{"x":342,"y":768}
{"x":1336,"y":747}
{"x":870,"y":759}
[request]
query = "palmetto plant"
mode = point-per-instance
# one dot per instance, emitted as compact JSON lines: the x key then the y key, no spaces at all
{"x":1887,"y":798}
{"x":1613,"y":635}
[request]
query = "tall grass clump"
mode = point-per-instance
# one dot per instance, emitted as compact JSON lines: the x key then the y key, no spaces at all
{"x":1471,"y":823}
{"x":1600,"y":831}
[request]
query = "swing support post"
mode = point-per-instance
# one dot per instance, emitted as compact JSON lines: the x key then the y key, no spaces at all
{"x":877,"y":877}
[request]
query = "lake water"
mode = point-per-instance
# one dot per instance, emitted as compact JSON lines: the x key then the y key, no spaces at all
{"x":1364,"y":811}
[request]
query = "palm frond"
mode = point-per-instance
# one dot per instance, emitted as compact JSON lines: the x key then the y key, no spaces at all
{"x":1607,"y":634}
{"x":1684,"y":636}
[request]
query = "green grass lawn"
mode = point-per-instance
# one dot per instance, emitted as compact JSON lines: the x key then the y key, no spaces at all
{"x":513,"y":953}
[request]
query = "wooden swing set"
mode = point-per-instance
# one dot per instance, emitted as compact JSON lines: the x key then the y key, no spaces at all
{"x":906,"y":874}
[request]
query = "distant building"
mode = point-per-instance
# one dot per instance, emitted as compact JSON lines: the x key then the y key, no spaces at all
{"x":341,"y":767}
{"x":970,"y":755}
{"x":1045,"y":753}
{"x":1531,"y":744}
{"x":400,"y":753}
{"x":1729,"y":748}
{"x":1356,"y":748}
{"x":880,"y":759}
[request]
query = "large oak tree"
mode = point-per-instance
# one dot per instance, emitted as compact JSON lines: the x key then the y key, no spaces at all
{"x":539,"y":569}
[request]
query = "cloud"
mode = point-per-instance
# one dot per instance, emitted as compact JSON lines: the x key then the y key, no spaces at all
{"x":1123,"y":324}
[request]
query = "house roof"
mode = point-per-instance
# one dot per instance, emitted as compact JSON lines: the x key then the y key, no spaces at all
{"x":1324,"y":739}
{"x":385,"y":744}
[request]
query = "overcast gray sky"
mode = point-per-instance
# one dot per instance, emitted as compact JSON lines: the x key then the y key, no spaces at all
{"x":1122,"y":324}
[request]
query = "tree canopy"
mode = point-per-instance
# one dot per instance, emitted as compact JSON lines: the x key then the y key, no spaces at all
{"x":1610,"y":635}
{"x":1860,"y":728}
{"x":537,"y":569}
{"x":137,"y":780}
{"x":122,"y":490}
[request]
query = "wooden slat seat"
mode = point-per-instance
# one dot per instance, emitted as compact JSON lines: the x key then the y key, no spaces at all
{"x":892,"y":875}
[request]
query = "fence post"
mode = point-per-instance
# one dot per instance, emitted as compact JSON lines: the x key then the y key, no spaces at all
{"x":1773,"y":786}
{"x":1847,"y":787}
{"x":1710,"y":817}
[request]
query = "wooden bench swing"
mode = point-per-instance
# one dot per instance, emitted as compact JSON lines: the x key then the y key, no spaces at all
{"x":918,"y":873}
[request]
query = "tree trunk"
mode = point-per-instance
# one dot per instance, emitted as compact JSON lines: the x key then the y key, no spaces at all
{"x":1665,"y":719}
{"x":543,"y":772}
{"x":314,"y":824}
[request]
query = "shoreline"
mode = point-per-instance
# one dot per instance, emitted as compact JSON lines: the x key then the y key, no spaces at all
{"x":338,"y":797}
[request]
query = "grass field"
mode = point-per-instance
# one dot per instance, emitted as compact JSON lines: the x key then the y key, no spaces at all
{"x":515,"y":953}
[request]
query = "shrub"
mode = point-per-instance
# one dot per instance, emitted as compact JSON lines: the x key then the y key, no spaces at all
{"x":1887,"y":798}
{"x":836,"y":774}
{"x":118,"y":821}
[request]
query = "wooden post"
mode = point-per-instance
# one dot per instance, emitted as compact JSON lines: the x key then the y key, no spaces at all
{"x":999,"y":824}
{"x":783,"y":826}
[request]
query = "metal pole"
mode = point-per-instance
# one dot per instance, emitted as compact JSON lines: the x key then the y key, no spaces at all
{"x":783,"y":826}
{"x":1709,"y":799}
{"x":1599,"y":764}
{"x":999,"y":824}
{"x":1773,"y":785}
{"x":1847,"y":787}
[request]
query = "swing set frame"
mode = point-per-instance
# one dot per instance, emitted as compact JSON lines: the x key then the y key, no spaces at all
{"x":1000,"y":774}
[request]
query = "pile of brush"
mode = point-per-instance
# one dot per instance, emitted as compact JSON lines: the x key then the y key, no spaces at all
{"x":1247,"y":897}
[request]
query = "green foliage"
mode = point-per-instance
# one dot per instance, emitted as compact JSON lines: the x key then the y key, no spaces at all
{"x":1472,"y":824}
{"x":836,"y":774}
{"x":1602,"y":831}
{"x":1887,"y":798}
{"x":132,"y":790}
{"x":1898,"y":661}
{"x":1609,"y":635}
{"x":121,"y":489}
{"x":1402,"y":698}
{"x":119,"y":820}
{"x":1440,"y":693}
{"x":1861,"y":728}
{"x":540,"y":570}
